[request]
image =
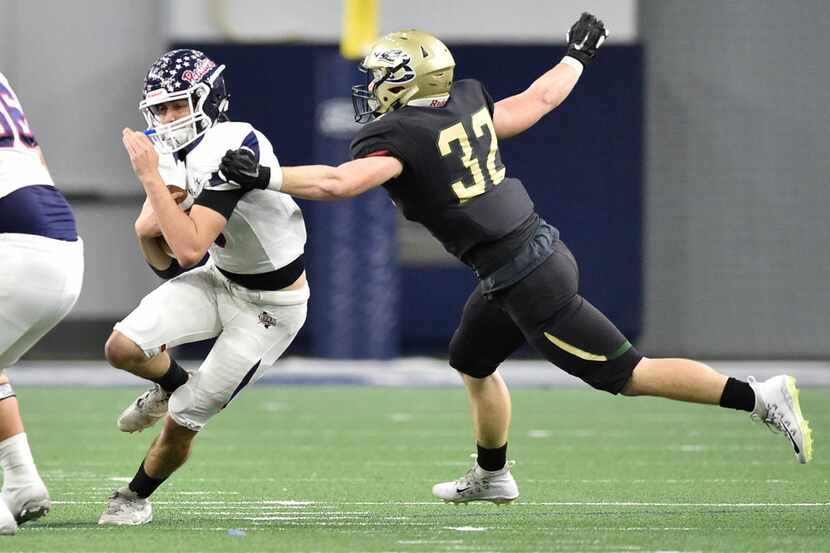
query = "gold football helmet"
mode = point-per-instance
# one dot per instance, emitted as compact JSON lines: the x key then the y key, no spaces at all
{"x":402,"y":67}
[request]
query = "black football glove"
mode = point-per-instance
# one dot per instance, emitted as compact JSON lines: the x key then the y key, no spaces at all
{"x":584,"y":37}
{"x":240,"y":166}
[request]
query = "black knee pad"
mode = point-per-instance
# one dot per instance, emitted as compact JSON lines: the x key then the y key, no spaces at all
{"x":609,"y":376}
{"x":467,"y":363}
{"x":477,"y":371}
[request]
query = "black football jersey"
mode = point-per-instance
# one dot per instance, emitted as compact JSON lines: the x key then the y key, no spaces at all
{"x":453,"y":181}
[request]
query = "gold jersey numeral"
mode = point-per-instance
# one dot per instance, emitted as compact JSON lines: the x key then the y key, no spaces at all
{"x":458,"y":133}
{"x":482,"y":119}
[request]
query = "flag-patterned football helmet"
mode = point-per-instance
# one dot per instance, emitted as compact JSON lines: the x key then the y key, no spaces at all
{"x":402,"y":67}
{"x":183,"y":74}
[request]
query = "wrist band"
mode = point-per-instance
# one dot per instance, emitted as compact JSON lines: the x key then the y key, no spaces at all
{"x":275,"y":182}
{"x":575,"y":63}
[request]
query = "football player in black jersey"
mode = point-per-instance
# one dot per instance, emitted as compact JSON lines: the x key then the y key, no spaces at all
{"x":432,"y":143}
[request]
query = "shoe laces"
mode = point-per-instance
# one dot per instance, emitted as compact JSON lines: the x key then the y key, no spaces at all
{"x":468,"y":477}
{"x":151,"y":397}
{"x":472,"y":476}
{"x":776,"y":421}
{"x":117,"y":502}
{"x":466,"y":481}
{"x":774,"y":418}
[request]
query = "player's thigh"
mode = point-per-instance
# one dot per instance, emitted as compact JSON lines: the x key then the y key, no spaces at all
{"x":248,"y":344}
{"x":15,"y":342}
{"x":39,"y":285}
{"x":182,"y":310}
{"x":536,"y":298}
{"x":566,"y":329}
{"x":583,"y":342}
{"x":485,"y":337}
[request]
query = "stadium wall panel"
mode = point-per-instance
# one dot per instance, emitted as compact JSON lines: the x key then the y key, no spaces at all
{"x":737,"y":186}
{"x":582,"y":166}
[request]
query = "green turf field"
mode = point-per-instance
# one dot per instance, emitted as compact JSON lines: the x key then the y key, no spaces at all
{"x":350,"y":469}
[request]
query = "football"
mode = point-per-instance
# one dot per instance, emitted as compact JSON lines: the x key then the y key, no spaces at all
{"x":179,"y":194}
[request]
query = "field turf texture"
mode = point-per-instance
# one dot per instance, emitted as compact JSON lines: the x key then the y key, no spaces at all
{"x":317,"y":469}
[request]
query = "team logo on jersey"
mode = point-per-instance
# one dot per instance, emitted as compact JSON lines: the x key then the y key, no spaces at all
{"x":195,"y":185}
{"x":267,"y":320}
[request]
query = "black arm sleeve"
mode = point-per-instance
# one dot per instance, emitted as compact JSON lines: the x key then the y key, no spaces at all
{"x":172,"y":271}
{"x":175,"y":269}
{"x":220,"y":201}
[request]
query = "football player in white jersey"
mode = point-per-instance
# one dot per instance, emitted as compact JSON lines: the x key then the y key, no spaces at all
{"x":250,"y":295}
{"x":43,"y":266}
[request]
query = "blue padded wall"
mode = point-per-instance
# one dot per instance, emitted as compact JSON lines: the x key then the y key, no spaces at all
{"x":582,"y":165}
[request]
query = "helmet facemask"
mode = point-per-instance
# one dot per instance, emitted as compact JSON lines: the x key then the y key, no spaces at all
{"x":381,"y":82}
{"x":363,"y":100}
{"x":207,"y":102}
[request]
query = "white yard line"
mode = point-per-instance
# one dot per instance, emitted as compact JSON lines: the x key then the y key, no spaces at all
{"x":288,"y":504}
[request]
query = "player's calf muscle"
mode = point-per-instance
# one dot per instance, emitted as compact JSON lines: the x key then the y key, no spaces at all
{"x":680,"y":379}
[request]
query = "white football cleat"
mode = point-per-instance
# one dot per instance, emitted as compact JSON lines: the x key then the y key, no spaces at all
{"x":27,"y":502}
{"x":477,"y":484}
{"x":145,"y":411}
{"x":125,"y":508}
{"x":8,"y":526}
{"x":777,"y":406}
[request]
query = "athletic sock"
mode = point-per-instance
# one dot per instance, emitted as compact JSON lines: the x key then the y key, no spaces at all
{"x":17,"y":462}
{"x":144,"y":485}
{"x":492,"y":459}
{"x":738,"y":395}
{"x":173,"y":378}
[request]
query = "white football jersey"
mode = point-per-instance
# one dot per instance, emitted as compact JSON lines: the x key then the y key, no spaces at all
{"x":265,"y":229}
{"x":20,"y":163}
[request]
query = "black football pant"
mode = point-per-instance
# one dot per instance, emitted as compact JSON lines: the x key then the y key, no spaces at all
{"x":545,"y":310}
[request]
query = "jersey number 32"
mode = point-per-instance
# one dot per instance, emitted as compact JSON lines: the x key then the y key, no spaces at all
{"x":473,"y":153}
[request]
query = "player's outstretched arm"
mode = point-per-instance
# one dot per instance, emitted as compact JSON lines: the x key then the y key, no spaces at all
{"x":323,"y":182}
{"x":311,"y":182}
{"x":515,"y":114}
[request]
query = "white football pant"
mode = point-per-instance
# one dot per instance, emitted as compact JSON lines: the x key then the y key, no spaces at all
{"x":253,"y":329}
{"x":40,"y":280}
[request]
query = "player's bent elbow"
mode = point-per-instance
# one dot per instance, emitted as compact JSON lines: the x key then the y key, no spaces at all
{"x":187,"y":262}
{"x":189,"y":259}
